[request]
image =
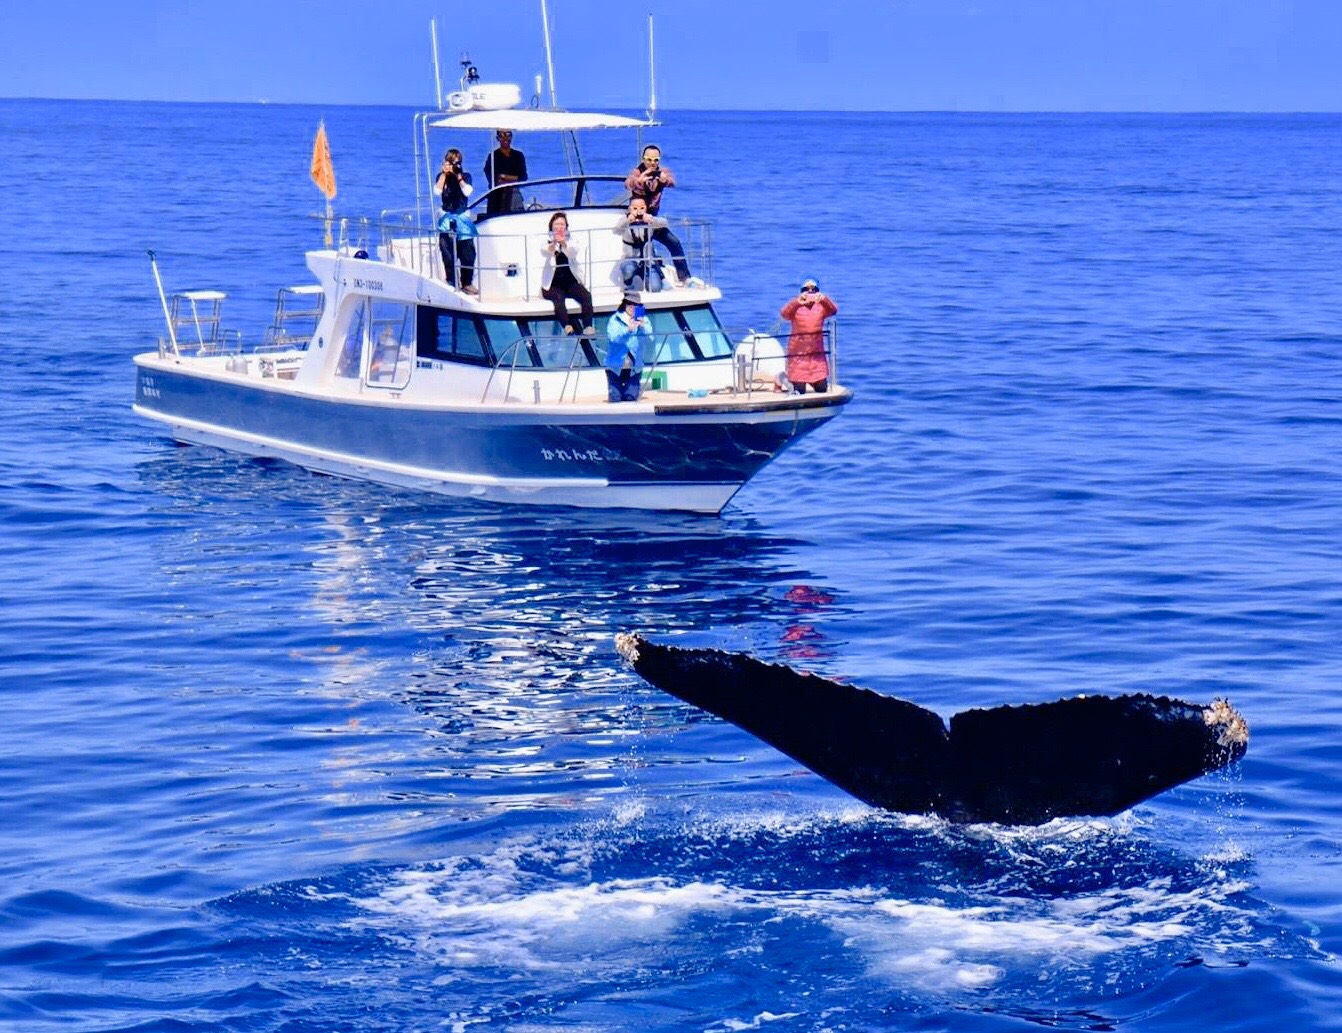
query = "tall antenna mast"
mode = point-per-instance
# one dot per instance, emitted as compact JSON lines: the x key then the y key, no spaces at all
{"x":572,"y":155}
{"x":549,"y":55}
{"x":652,"y":74}
{"x":437,"y":72}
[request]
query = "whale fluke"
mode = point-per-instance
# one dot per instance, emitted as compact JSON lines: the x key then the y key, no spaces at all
{"x":1018,"y":765}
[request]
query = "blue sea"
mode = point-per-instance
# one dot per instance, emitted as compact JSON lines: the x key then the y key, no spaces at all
{"x":286,"y":753}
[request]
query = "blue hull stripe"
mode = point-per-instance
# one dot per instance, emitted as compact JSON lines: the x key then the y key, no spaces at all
{"x":622,"y":447}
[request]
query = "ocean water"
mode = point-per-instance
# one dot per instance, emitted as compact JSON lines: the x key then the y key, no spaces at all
{"x":285,"y":753}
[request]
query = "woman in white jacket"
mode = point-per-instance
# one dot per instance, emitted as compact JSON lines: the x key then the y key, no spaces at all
{"x":561,"y":277}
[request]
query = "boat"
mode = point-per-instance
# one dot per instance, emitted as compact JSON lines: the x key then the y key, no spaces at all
{"x":381,"y":370}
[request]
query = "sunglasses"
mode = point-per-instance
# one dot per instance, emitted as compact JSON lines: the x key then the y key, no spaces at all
{"x":810,"y":288}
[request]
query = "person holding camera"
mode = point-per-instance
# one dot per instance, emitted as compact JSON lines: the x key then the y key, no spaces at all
{"x":630,"y":335}
{"x":456,"y":232}
{"x":646,"y":182}
{"x":638,"y":268}
{"x":807,"y":363}
{"x":561,"y":277}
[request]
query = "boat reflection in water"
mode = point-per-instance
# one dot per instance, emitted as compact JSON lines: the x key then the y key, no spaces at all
{"x":510,"y":623}
{"x":485,"y":630}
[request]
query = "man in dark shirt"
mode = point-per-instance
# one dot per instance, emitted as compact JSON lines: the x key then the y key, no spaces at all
{"x":504,"y":165}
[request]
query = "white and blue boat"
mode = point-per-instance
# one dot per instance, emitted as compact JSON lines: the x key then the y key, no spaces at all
{"x":381,"y":370}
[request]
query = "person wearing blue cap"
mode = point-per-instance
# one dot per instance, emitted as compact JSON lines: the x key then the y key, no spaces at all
{"x":807,"y":362}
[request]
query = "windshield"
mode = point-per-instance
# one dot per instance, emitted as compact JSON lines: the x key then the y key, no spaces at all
{"x":690,"y":334}
{"x":558,"y":194}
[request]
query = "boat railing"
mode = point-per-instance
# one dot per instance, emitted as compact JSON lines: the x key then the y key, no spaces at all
{"x":224,"y":342}
{"x":576,"y":347}
{"x":508,"y":265}
{"x":552,"y":194}
{"x":298,"y":310}
{"x":760,"y":358}
{"x":758,"y":361}
{"x":515,"y":273}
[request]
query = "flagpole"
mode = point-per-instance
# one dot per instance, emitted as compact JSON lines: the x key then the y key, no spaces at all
{"x":323,"y":175}
{"x":327,"y":241}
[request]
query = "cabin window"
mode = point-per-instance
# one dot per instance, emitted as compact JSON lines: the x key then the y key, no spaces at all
{"x":451,"y":336}
{"x":555,"y":349}
{"x":391,"y":335}
{"x":558,"y":350}
{"x":351,"y":347}
{"x":685,"y":335}
{"x":511,"y":344}
{"x":670,"y":343}
{"x":702,"y":321}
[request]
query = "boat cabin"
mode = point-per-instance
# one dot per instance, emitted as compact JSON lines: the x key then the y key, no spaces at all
{"x":383,"y":319}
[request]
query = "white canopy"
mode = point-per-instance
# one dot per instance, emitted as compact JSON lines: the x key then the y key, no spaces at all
{"x":526,"y":120}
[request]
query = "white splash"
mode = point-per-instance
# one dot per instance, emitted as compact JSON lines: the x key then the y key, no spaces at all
{"x":536,"y":907}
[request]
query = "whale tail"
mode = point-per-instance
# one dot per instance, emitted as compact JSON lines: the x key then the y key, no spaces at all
{"x":1089,"y":755}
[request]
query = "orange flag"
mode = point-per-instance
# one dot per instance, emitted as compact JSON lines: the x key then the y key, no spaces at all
{"x":322,"y":171}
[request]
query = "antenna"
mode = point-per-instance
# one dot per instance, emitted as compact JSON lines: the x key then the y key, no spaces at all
{"x":549,"y":55}
{"x":572,"y":156}
{"x":437,"y":72}
{"x":652,"y":74}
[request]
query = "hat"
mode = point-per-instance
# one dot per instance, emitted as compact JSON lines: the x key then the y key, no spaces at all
{"x":810,"y":279}
{"x":631,"y":298}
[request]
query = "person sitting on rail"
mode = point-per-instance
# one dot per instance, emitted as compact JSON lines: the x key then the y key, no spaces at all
{"x":638,"y":268}
{"x":561,"y":277}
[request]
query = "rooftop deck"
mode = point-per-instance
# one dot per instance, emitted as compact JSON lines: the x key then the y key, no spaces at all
{"x":510,"y":245}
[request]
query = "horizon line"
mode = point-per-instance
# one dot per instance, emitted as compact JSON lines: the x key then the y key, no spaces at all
{"x":262,"y":102}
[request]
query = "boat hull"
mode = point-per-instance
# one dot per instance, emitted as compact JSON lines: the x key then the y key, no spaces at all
{"x":677,"y":456}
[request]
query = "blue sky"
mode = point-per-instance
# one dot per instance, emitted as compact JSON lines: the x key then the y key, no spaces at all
{"x":969,"y":55}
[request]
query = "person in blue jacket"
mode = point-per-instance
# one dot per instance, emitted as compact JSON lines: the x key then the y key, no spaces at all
{"x":629,"y":332}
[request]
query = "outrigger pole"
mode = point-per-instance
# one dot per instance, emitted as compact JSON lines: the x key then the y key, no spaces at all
{"x":437,"y":72}
{"x":549,"y":54}
{"x":163,"y":300}
{"x":572,"y":158}
{"x":652,"y":74}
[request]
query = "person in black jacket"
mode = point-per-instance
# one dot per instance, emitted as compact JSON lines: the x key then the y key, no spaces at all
{"x":457,"y":248}
{"x":504,"y":165}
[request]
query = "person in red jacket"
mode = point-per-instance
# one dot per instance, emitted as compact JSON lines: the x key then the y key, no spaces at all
{"x":807,"y":363}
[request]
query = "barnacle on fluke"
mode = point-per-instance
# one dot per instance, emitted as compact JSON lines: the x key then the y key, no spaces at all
{"x":1088,"y":755}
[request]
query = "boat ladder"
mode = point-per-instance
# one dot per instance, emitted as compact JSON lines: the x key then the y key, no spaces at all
{"x":200,"y":312}
{"x":297,"y":312}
